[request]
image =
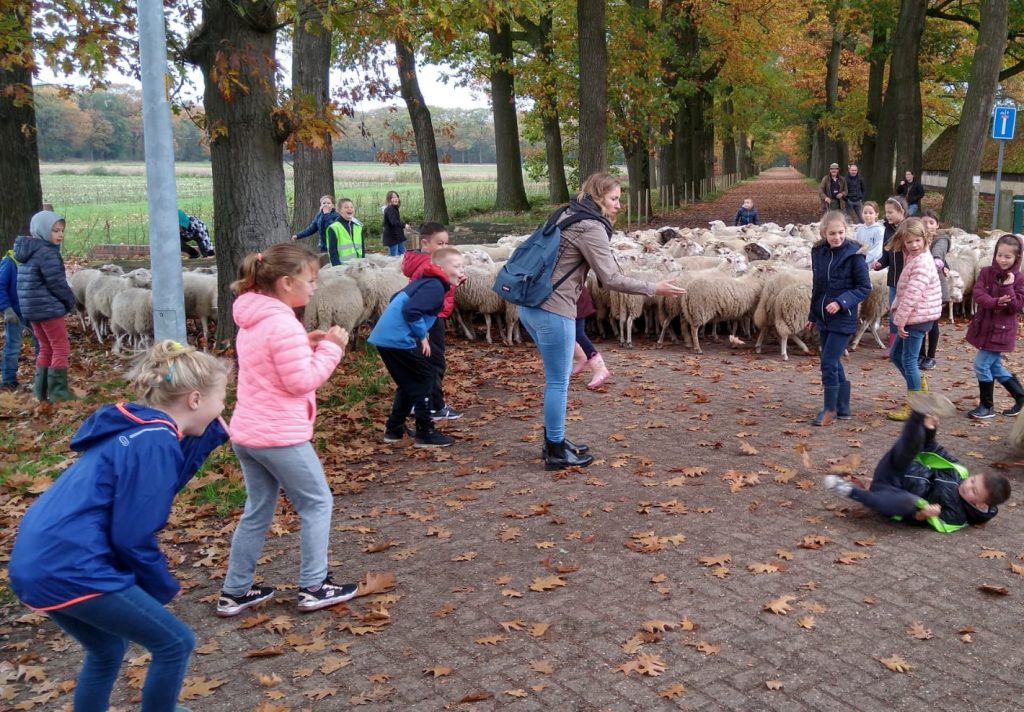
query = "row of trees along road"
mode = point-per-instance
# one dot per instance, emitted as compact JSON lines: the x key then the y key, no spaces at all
{"x":674,"y":84}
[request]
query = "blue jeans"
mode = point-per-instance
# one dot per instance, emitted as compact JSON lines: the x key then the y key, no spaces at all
{"x":988,"y":366}
{"x":297,"y":470}
{"x":913,"y":209}
{"x":397,"y":250}
{"x":105,"y":625}
{"x":12,"y":350}
{"x":906,"y":352}
{"x":833,"y":344}
{"x":555,"y":337}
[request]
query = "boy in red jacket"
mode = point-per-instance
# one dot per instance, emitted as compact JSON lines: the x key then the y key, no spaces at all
{"x":433,"y":237}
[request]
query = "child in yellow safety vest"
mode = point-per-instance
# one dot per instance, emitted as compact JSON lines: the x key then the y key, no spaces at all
{"x":345,"y":240}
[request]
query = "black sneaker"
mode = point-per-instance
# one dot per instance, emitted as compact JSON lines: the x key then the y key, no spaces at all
{"x":982,"y":412}
{"x":446,"y":413}
{"x":395,"y":436}
{"x":435,"y":438}
{"x":927,"y":364}
{"x":328,"y":594}
{"x":228,"y":605}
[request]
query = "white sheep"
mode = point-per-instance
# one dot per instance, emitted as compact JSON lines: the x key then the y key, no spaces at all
{"x":872,"y":309}
{"x":102,"y":291}
{"x":476,"y":295}
{"x":200,"y":299}
{"x":377,"y":285}
{"x":337,"y":301}
{"x":718,"y":298}
{"x":81,"y":280}
{"x":788,"y":309}
{"x":131,"y":318}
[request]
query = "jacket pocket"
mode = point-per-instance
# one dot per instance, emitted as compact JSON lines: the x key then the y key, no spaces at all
{"x":1001,"y":335}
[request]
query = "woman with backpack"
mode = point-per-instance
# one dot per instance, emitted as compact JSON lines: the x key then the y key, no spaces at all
{"x":586,"y":228}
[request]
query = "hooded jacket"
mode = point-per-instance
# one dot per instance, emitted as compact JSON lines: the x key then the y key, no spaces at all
{"x":935,"y":477}
{"x":43,"y":290}
{"x":278,"y":373}
{"x":94,"y":531}
{"x":838,"y":274}
{"x":585,"y":246}
{"x":319,"y":224}
{"x":414,"y":262}
{"x":994,"y":327}
{"x":9,"y":283}
{"x":412,"y":311}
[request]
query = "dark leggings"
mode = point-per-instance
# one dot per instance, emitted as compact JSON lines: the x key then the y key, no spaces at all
{"x":886,"y":494}
{"x":932,"y":339}
{"x":582,"y":340}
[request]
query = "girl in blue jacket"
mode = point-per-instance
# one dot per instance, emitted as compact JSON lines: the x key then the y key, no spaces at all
{"x":840,"y":283}
{"x":86,"y":552}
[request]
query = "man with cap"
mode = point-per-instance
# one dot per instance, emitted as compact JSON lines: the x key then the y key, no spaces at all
{"x":833,"y":189}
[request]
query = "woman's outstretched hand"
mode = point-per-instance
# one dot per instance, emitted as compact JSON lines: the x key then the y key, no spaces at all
{"x":666,"y":288}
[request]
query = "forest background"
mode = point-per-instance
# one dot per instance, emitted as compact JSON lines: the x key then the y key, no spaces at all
{"x":683,"y":89}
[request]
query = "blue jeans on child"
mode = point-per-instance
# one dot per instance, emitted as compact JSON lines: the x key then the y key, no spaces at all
{"x":13,"y":332}
{"x":104,"y":626}
{"x":396,"y":250}
{"x":555,"y":337}
{"x":906,"y":352}
{"x":833,"y":344}
{"x":988,"y":366}
{"x":297,"y":470}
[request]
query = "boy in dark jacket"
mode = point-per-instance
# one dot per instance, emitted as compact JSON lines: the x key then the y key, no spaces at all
{"x":921,"y":481}
{"x":14,"y":324}
{"x":747,"y":214}
{"x":45,"y":296}
{"x":433,"y":237}
{"x":402,"y":337}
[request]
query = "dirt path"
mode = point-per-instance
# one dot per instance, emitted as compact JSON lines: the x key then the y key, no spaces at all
{"x":697,"y":564}
{"x":781,"y":195}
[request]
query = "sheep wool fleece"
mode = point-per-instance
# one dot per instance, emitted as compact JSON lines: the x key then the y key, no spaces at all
{"x":278,"y":374}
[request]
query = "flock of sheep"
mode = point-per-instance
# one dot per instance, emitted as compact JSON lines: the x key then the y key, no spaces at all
{"x":747,"y":278}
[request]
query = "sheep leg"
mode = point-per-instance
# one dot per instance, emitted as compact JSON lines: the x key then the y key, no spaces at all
{"x":800,"y":342}
{"x":487,"y":322}
{"x":465,"y":329}
{"x":760,"y":340}
{"x":629,"y":331}
{"x":694,"y":338}
{"x":951,"y":313}
{"x":874,"y":332}
{"x":784,"y":342}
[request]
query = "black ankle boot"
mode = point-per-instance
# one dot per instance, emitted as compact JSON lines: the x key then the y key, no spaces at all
{"x":1012,"y":385}
{"x":579,"y":450}
{"x":558,"y":456}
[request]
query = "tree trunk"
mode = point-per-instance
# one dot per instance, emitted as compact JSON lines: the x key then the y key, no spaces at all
{"x":638,"y":170}
{"x":958,"y":206}
{"x":538,"y":35}
{"x":829,"y":148}
{"x":19,"y":160}
{"x":435,"y":209}
{"x":311,"y":63}
{"x":593,"y":130}
{"x":511,"y":193}
{"x":899,"y":125}
{"x":729,"y":159}
{"x":249,"y":209}
{"x":876,"y":80}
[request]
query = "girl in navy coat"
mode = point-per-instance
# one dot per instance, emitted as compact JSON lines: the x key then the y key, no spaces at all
{"x":86,"y":553}
{"x":840,"y":283}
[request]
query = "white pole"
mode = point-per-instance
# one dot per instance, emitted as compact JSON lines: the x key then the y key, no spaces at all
{"x":164,"y":246}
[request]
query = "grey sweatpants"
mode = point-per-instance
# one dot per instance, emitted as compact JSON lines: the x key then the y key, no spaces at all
{"x":297,"y":470}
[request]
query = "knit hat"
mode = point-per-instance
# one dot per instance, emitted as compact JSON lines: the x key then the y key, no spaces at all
{"x":182,"y":219}
{"x":42,"y":224}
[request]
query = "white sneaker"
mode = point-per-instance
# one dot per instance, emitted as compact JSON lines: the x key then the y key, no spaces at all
{"x":838,"y":485}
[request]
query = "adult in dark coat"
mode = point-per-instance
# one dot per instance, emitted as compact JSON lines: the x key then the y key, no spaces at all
{"x":840,"y":282}
{"x":912,"y":191}
{"x":855,"y":192}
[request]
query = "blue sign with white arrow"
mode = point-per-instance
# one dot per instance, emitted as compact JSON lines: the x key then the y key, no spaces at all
{"x":1004,"y":120}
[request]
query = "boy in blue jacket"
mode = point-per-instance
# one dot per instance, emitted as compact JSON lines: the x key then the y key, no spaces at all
{"x":919,"y":480}
{"x":14,"y":324}
{"x":402,"y":337}
{"x":86,"y":552}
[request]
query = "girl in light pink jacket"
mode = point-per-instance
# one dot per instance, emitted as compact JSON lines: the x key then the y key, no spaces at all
{"x":280,"y":367}
{"x":917,"y":305}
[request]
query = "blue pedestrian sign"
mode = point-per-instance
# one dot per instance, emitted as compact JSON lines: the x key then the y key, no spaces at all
{"x":1004,"y":119}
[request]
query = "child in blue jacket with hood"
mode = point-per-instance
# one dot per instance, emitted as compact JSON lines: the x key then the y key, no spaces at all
{"x":14,"y":323}
{"x":326,"y":216}
{"x":402,"y":338}
{"x":86,"y":552}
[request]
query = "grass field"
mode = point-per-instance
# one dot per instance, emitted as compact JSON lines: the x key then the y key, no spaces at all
{"x":106,"y":202}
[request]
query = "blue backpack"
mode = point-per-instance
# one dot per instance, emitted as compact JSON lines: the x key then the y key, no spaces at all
{"x":525,"y":279}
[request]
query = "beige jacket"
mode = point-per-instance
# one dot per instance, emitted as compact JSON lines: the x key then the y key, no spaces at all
{"x":587,"y":241}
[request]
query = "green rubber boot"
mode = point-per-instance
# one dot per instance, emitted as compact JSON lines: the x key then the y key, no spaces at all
{"x":57,"y":385}
{"x":39,"y":384}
